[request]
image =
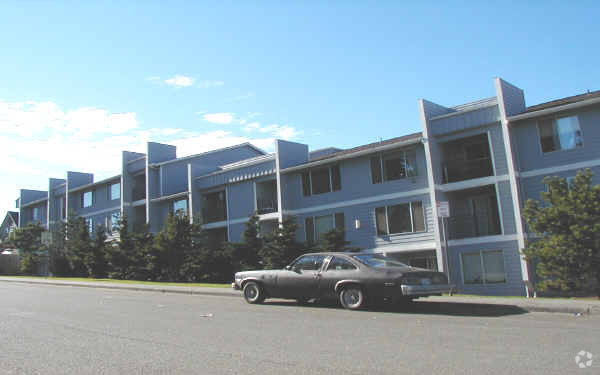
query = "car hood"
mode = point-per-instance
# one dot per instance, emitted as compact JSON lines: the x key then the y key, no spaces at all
{"x":258,"y":274}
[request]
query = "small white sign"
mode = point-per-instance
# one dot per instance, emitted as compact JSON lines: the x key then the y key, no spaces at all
{"x":443,"y":209}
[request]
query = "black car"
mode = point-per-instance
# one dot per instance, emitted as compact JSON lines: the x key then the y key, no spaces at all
{"x":354,"y":278}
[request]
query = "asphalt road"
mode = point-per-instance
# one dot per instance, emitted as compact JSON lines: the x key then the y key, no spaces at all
{"x":70,"y":330}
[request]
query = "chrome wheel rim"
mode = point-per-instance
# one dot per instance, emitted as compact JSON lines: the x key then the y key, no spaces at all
{"x":351,"y":297}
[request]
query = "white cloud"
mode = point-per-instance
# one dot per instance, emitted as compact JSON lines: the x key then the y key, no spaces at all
{"x":180,"y":81}
{"x":278,"y":131}
{"x":223,"y":118}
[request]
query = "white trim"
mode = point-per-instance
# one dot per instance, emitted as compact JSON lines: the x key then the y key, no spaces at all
{"x":218,"y":224}
{"x":551,"y":110}
{"x":472,"y":183}
{"x":138,"y":203}
{"x":169,"y":197}
{"x":484,"y":239}
{"x":491,"y":150}
{"x":400,"y":248}
{"x":190,"y":194}
{"x":354,"y":202}
{"x":500,"y":216}
{"x":96,"y":213}
{"x":227,"y":219}
{"x":254,"y":193}
{"x":562,"y":168}
{"x":160,"y":179}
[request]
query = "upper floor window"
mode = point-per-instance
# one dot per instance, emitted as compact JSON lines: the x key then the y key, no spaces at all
{"x":179,"y":207}
{"x":36,"y":213}
{"x":400,"y":218}
{"x":393,"y":166}
{"x":114,"y":191}
{"x":317,"y":226}
{"x":87,"y":199}
{"x":562,"y":133}
{"x":321,"y":180}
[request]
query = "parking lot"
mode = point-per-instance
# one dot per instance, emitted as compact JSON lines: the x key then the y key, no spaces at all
{"x":56,"y":329}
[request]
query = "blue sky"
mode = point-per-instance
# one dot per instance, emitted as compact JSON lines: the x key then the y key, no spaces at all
{"x":81,"y":81}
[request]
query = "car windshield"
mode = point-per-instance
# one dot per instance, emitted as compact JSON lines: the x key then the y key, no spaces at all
{"x":378,"y":260}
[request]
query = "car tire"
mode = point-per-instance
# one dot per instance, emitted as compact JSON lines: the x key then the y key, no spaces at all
{"x":352,"y":297}
{"x":253,"y":292}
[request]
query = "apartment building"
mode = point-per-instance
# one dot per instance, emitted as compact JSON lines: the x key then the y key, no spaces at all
{"x":482,"y":159}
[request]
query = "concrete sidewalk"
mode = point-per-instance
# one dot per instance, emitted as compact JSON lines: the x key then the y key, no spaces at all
{"x":570,"y":306}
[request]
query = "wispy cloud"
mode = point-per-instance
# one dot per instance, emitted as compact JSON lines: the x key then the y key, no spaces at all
{"x":223,"y":118}
{"x":276,"y":130}
{"x":180,"y":81}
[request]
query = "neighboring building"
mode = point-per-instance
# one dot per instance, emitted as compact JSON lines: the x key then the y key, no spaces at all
{"x":484,"y":158}
{"x":9,"y":224}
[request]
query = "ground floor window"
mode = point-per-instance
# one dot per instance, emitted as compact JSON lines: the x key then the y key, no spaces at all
{"x":317,"y":226}
{"x":179,"y":207}
{"x":483,"y":267}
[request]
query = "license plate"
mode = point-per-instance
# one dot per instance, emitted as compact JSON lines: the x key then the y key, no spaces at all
{"x":426,"y":281}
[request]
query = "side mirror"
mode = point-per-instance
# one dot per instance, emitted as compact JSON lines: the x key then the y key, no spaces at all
{"x":289,"y":268}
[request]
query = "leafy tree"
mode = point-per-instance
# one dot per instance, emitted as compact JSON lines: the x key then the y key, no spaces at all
{"x":29,"y":241}
{"x":567,"y":252}
{"x":281,"y":247}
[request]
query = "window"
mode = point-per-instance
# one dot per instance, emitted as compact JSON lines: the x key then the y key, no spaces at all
{"x":87,"y":199}
{"x":340,"y":264}
{"x":114,"y":191}
{"x":483,"y":267}
{"x":309,"y":263}
{"x":321,"y":180}
{"x":114,"y":221}
{"x":36,"y":213}
{"x":317,"y":226}
{"x":393,"y":166}
{"x":400,"y":218}
{"x":179,"y":207}
{"x":561,"y":133}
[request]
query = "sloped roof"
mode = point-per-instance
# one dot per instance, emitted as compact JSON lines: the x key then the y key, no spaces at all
{"x":563,"y":101}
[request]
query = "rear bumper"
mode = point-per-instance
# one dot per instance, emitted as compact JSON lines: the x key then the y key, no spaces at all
{"x":426,"y":290}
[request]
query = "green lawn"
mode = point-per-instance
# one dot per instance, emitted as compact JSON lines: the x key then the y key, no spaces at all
{"x":591,"y":298}
{"x":123,"y":281}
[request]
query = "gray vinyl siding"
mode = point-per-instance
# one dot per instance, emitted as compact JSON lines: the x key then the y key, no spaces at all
{"x":464,"y":120}
{"x":101,"y":200}
{"x":530,"y":152}
{"x":356,"y":183}
{"x":366,"y":236}
{"x":512,"y":267}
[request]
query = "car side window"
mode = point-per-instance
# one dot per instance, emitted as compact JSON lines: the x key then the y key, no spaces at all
{"x":309,"y":263}
{"x":339,"y":264}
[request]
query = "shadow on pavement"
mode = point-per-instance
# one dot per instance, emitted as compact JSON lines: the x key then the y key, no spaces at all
{"x":420,"y":307}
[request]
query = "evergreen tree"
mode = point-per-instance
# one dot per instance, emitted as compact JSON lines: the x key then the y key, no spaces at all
{"x":58,"y":263}
{"x":245,"y":255}
{"x":78,"y":245}
{"x":567,"y":252}
{"x":171,"y":246}
{"x":281,"y":248}
{"x":95,"y":260}
{"x":335,"y":241}
{"x":29,"y":241}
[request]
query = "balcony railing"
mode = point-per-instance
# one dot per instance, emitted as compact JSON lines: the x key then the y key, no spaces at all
{"x":475,"y":225}
{"x":214,"y":213}
{"x":266,"y":206}
{"x":460,"y":170}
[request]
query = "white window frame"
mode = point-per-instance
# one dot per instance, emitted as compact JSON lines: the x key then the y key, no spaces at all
{"x":310,"y":184}
{"x":554,"y":120}
{"x":412,"y":224}
{"x":382,"y":155}
{"x":480,"y":252}
{"x":92,"y":192}
{"x":110,"y":197}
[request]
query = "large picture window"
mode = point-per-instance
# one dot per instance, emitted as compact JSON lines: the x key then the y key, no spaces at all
{"x":400,"y":218}
{"x":483,"y":267}
{"x":321,"y":180}
{"x":317,"y":226}
{"x":562,"y":133}
{"x":393,"y":166}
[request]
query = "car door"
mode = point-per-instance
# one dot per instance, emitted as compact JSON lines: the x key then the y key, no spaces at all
{"x":338,"y":269}
{"x":302,"y":279}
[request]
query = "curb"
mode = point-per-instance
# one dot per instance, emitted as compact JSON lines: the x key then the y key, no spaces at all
{"x":133,"y":288}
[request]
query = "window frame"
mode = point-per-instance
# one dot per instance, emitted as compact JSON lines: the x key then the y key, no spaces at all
{"x":306,"y":180}
{"x":109,"y":195}
{"x":412,"y":221}
{"x":381,"y":156}
{"x":554,"y":120}
{"x":172,"y":206}
{"x":483,"y":272}
{"x":336,"y":224}
{"x":92,"y":201}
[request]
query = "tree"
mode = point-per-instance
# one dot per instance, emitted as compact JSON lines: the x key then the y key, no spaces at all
{"x":567,"y":252}
{"x":29,"y":241}
{"x":78,"y":245}
{"x":246,"y":254}
{"x":335,"y":240}
{"x":171,"y":246}
{"x":58,"y":263}
{"x":128,"y":256}
{"x":281,"y":247}
{"x":95,"y":260}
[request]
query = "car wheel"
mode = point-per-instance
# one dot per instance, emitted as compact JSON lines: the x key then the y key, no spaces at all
{"x":352,"y":297}
{"x":253,"y":293}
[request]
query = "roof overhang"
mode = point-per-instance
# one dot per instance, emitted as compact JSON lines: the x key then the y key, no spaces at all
{"x":548,"y":111}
